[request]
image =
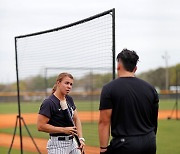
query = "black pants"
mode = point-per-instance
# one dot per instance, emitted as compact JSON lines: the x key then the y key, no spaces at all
{"x":145,"y":144}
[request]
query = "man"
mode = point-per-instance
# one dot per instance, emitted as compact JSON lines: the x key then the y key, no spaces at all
{"x":129,"y":106}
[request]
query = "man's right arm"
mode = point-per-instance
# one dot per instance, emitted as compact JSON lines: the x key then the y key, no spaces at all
{"x":104,"y":128}
{"x":105,"y":118}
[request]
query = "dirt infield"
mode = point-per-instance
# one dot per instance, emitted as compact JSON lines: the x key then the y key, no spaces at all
{"x":8,"y":120}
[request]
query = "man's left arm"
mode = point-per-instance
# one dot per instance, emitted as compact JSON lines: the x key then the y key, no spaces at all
{"x":156,"y":109}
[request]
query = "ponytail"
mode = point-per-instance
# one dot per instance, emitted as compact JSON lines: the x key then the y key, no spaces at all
{"x":54,"y":88}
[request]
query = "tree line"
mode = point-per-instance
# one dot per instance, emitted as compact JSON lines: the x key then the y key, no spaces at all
{"x":157,"y":77}
{"x":92,"y":82}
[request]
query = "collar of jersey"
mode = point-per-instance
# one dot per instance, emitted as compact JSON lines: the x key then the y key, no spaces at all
{"x":55,"y":99}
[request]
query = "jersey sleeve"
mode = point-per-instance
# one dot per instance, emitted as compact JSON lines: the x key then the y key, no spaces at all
{"x":71,"y":102}
{"x":105,"y":99}
{"x":45,"y":108}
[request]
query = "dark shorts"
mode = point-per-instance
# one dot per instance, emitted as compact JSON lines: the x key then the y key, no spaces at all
{"x":145,"y":144}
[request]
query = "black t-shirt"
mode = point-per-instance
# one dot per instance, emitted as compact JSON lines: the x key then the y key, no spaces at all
{"x":51,"y":108}
{"x":134,"y":105}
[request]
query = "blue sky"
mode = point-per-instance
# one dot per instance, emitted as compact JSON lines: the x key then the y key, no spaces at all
{"x":149,"y":27}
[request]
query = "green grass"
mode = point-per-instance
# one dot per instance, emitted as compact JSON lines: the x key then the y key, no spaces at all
{"x":168,"y":137}
{"x":4,"y":150}
{"x":90,"y":133}
{"x":87,"y":105}
{"x":27,"y":107}
{"x":166,"y":104}
{"x":33,"y":107}
{"x":89,"y":130}
{"x":168,"y":140}
{"x":32,"y":128}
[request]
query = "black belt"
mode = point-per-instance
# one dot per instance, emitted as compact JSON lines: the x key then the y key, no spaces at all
{"x":63,"y":138}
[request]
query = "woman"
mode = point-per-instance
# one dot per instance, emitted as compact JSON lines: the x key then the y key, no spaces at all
{"x":51,"y":119}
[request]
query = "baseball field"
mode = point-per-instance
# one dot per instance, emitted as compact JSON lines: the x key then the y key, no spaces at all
{"x":168,"y":137}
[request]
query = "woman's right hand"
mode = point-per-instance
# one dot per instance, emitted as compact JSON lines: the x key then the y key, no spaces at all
{"x":70,"y":130}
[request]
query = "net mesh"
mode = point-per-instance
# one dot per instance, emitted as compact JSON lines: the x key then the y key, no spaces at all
{"x":84,"y":45}
{"x":84,"y":50}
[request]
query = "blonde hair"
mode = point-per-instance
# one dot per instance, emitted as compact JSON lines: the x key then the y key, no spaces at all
{"x":60,"y":77}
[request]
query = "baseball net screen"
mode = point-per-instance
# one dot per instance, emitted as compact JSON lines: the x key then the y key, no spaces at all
{"x":86,"y":49}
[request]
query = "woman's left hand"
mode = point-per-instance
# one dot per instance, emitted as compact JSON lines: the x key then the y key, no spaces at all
{"x":82,"y":146}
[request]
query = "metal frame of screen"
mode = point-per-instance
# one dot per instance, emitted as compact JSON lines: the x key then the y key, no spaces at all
{"x":112,"y":12}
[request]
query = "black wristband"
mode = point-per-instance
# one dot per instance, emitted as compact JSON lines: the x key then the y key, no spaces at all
{"x":103,"y":147}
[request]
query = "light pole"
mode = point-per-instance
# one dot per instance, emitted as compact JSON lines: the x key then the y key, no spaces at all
{"x":166,"y":57}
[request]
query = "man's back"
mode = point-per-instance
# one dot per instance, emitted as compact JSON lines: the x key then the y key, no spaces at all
{"x":129,"y":110}
{"x":134,"y":105}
